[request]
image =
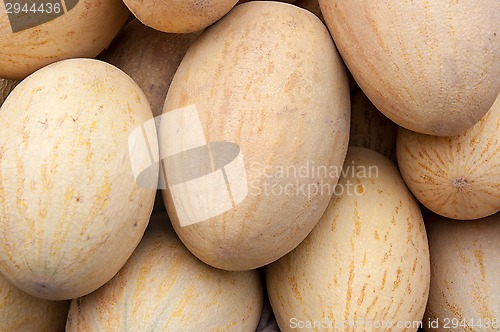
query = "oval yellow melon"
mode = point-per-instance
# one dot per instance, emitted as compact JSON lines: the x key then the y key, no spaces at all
{"x":430,"y":66}
{"x":365,"y":266}
{"x":31,"y":38}
{"x":255,"y":119}
{"x":457,"y":177}
{"x":71,"y":212}
{"x":370,"y":128}
{"x":179,"y":16}
{"x":149,"y":57}
{"x":465,"y":266}
{"x":163,"y":287}
{"x":22,"y":312}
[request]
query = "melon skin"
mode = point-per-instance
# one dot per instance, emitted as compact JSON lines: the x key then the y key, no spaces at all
{"x":163,"y":287}
{"x":464,"y":273}
{"x":20,"y":312}
{"x":174,"y":16}
{"x":457,"y":177}
{"x":71,"y":211}
{"x":430,"y":66}
{"x":267,"y":78}
{"x":367,"y":260}
{"x":82,"y":31}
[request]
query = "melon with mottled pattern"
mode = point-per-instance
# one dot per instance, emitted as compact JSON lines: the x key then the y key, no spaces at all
{"x":57,"y":30}
{"x":266,"y":78}
{"x":432,"y":67}
{"x":176,"y":16}
{"x":163,"y":287}
{"x":21,"y":312}
{"x":457,"y":177}
{"x":71,"y":211}
{"x":465,"y":265}
{"x":367,"y":260}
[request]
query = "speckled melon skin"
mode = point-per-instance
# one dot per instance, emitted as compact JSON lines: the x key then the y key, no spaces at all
{"x":457,"y":177}
{"x":163,"y":287}
{"x":83,"y":31}
{"x":268,"y":78}
{"x":71,"y":212}
{"x":430,"y":66}
{"x":465,"y":265}
{"x":20,"y":312}
{"x":367,"y":260}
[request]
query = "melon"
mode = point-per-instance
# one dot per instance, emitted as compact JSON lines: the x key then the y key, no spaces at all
{"x":22,"y":312}
{"x":163,"y":287}
{"x":253,"y":133}
{"x":464,"y":274}
{"x":365,"y":266}
{"x":72,"y":209}
{"x":457,"y":177}
{"x":430,"y":66}
{"x":56,"y":30}
{"x":176,"y":16}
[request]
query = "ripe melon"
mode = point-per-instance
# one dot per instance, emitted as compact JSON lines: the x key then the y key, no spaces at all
{"x":179,"y":16}
{"x":265,"y":90}
{"x":163,"y":287}
{"x":22,"y":312}
{"x":31,"y":38}
{"x":457,"y":177}
{"x":430,"y":66}
{"x":365,"y":266}
{"x":71,"y":210}
{"x":465,"y":265}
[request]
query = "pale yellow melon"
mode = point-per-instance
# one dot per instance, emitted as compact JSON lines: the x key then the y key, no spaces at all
{"x":71,"y":211}
{"x":56,"y":30}
{"x":149,"y":57}
{"x":163,"y":287}
{"x":365,"y":266}
{"x":465,"y":265}
{"x":20,"y":312}
{"x":457,"y":177}
{"x":370,"y":128}
{"x":179,"y":16}
{"x":430,"y":66}
{"x":265,"y":89}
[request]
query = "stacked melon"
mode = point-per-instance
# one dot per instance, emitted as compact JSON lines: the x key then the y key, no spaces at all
{"x":260,"y":166}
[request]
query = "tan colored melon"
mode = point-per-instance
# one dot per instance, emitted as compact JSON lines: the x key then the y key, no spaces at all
{"x":430,"y":66}
{"x":163,"y":287}
{"x":6,"y":86}
{"x":270,"y":96}
{"x":71,"y":212}
{"x":465,"y":266}
{"x":22,"y":312}
{"x":457,"y":177}
{"x":57,"y":30}
{"x":365,"y":266}
{"x":370,"y":128}
{"x":176,"y":16}
{"x":149,"y":57}
{"x":312,"y":6}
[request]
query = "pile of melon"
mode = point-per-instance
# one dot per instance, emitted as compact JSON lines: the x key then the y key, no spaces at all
{"x":255,"y":166}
